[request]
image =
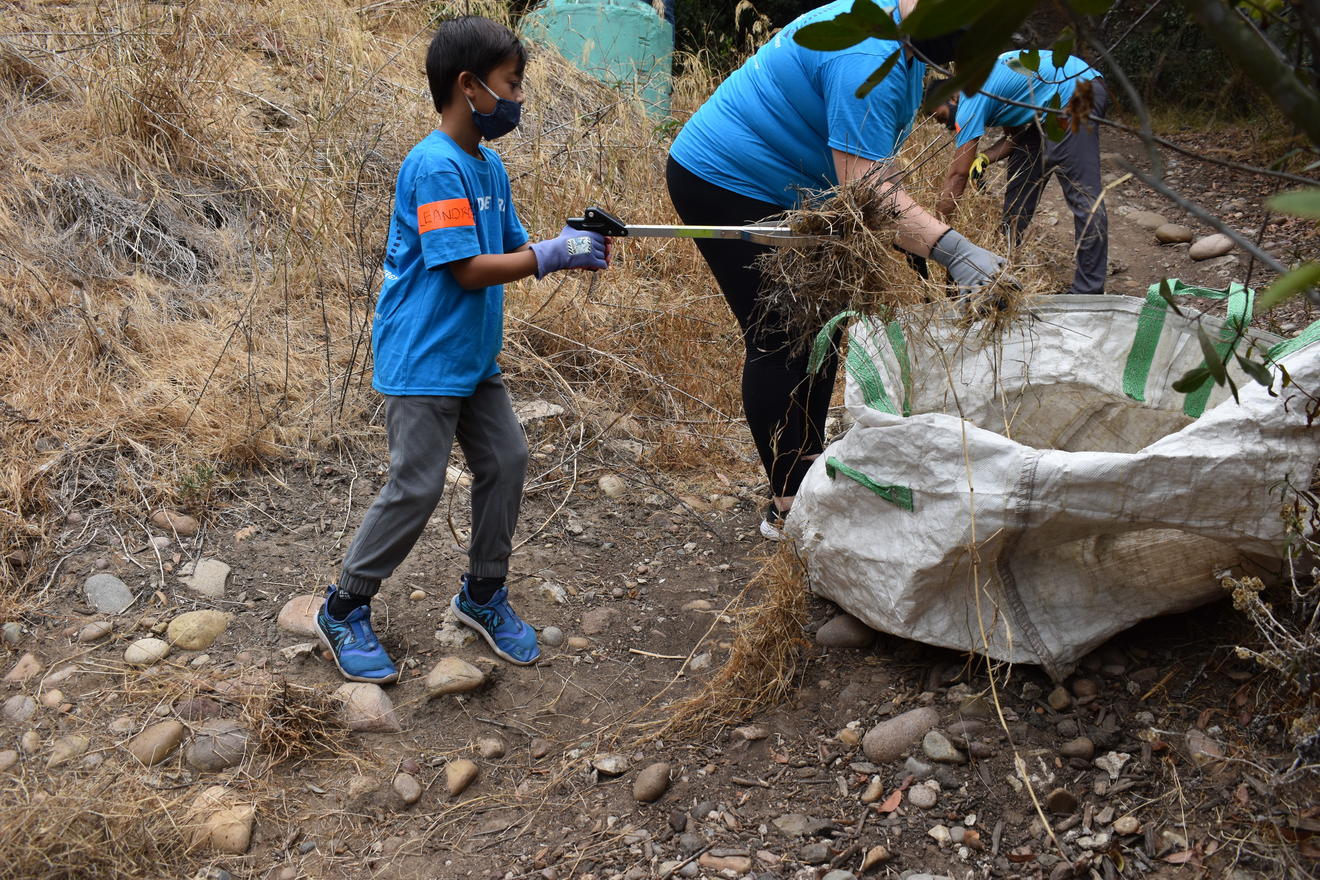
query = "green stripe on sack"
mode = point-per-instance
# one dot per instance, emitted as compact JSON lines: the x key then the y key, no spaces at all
{"x":863,"y":370}
{"x":825,"y":338}
{"x":868,"y":379}
{"x":1301,"y":340}
{"x":901,"y":496}
{"x":1240,"y":303}
{"x":1150,"y":326}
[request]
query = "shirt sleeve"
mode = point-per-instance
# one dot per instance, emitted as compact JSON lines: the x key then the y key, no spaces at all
{"x":445,"y":222}
{"x":866,"y":127}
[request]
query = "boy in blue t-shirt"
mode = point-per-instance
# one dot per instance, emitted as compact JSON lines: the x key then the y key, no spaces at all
{"x":454,"y":241}
{"x":1033,"y":159}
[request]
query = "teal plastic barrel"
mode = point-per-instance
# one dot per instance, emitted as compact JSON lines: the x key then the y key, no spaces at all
{"x":625,"y":44}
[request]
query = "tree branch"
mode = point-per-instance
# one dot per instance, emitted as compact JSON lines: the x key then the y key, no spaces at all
{"x":1205,"y":216}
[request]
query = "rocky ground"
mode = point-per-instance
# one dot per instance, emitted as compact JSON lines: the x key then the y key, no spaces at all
{"x":176,"y":657}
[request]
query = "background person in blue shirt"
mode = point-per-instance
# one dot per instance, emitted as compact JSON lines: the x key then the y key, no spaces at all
{"x":454,"y":241}
{"x":1032,"y":157}
{"x":787,"y":121}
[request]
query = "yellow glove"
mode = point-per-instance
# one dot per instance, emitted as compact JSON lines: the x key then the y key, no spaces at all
{"x":979,"y":164}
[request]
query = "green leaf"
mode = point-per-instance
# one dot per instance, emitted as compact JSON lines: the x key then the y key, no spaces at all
{"x":1166,"y":294}
{"x":932,"y":18}
{"x":1255,"y":370}
{"x":877,"y":21}
{"x":979,"y":51}
{"x":1304,"y":277}
{"x":1053,"y":127}
{"x":1028,"y":61}
{"x":878,"y":76}
{"x":1298,"y":202}
{"x":1212,"y":361}
{"x":1063,"y":47}
{"x":941,"y":93}
{"x":830,"y":36}
{"x":1051,"y":122}
{"x":971,"y":76}
{"x":1191,"y":380}
{"x":1091,"y":7}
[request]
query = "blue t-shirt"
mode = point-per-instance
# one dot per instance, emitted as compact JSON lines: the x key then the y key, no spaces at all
{"x":768,"y":129}
{"x":980,"y":111}
{"x":431,"y":336}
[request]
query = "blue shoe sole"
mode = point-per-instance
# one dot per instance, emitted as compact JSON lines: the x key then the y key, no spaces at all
{"x":388,"y":679}
{"x":481,"y":631}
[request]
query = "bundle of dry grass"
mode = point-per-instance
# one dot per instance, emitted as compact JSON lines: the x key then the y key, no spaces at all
{"x":291,"y":721}
{"x":860,"y":270}
{"x":105,"y":824}
{"x":766,"y":654}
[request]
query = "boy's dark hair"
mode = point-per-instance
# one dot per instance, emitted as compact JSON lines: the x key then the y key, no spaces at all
{"x":470,"y":43}
{"x":931,"y":85}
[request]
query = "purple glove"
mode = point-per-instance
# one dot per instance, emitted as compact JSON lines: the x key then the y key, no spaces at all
{"x":573,"y":249}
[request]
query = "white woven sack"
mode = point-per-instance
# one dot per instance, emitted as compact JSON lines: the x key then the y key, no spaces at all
{"x":1028,"y":507}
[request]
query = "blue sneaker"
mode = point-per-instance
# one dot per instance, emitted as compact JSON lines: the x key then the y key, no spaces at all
{"x":354,"y":645}
{"x":499,"y":625}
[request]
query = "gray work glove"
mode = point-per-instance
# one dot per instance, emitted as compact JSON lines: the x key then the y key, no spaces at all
{"x":971,"y":266}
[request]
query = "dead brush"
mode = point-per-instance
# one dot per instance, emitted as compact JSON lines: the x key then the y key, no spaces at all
{"x":102,"y":823}
{"x":862,"y":272}
{"x":767,"y":653}
{"x":291,"y":721}
{"x":287,"y":721}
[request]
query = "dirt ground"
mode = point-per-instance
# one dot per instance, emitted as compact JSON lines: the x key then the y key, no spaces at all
{"x":638,"y":582}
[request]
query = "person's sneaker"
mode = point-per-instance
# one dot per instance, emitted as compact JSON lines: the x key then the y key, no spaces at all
{"x":498,"y":624}
{"x":772,"y":524}
{"x":353,"y":644}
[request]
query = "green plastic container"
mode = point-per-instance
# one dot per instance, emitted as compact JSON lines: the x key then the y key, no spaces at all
{"x":625,"y":44}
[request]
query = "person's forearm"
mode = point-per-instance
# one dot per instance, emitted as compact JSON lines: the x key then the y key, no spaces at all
{"x":955,"y":179}
{"x":1000,"y":150}
{"x":484,"y":270}
{"x":917,"y":229}
{"x":955,"y":185}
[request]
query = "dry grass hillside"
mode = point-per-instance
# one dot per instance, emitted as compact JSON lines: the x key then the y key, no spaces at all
{"x":193,"y":202}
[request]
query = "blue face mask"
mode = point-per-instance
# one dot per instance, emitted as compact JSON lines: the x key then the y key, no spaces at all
{"x":502,"y":120}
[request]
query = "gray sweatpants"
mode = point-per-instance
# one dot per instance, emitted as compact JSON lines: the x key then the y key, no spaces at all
{"x":1076,"y":160}
{"x":421,"y":432}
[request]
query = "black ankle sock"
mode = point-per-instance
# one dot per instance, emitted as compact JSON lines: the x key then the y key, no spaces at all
{"x":342,"y":604}
{"x":480,"y":590}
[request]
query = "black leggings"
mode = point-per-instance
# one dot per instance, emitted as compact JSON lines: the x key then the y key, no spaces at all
{"x":785,"y":405}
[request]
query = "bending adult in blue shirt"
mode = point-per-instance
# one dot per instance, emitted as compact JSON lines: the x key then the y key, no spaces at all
{"x":1033,"y":158}
{"x":789,"y":121}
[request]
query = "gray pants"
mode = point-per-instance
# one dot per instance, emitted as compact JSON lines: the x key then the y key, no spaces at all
{"x":1076,"y":160}
{"x":421,"y":432}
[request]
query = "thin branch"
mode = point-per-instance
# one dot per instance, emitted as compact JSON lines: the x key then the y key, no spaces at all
{"x":1149,"y":136}
{"x":1205,"y":216}
{"x":1227,"y":163}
